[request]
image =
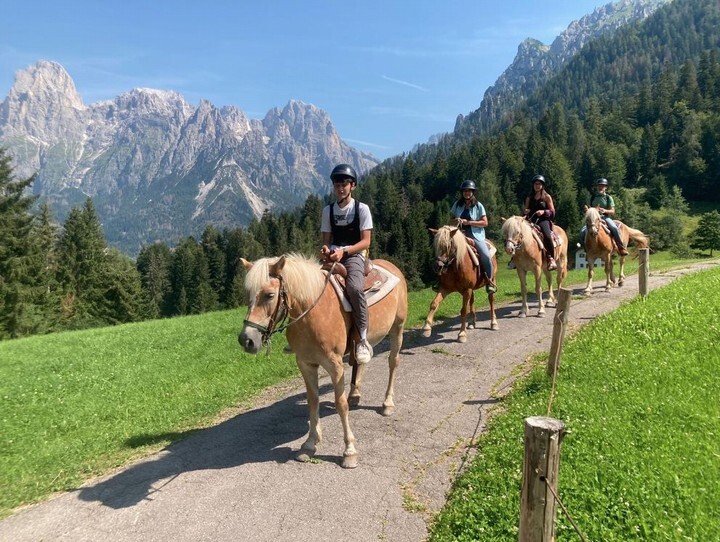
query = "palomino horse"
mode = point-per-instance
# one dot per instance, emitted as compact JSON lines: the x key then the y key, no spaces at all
{"x":599,"y":244}
{"x":457,"y":274}
{"x":296,"y":288}
{"x":527,"y":256}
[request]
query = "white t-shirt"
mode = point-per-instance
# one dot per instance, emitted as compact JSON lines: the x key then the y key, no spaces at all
{"x":345,"y":216}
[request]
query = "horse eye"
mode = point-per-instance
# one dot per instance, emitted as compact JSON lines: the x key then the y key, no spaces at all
{"x":269,"y":296}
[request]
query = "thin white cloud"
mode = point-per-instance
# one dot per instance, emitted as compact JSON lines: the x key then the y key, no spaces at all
{"x":367,"y":144}
{"x":411,"y":114}
{"x":405,"y":83}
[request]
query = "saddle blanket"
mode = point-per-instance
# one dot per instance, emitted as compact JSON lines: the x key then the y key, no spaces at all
{"x":377,"y":291}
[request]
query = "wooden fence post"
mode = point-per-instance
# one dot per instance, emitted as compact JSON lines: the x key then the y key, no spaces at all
{"x":644,"y":270}
{"x":562,"y":312}
{"x":540,"y":470}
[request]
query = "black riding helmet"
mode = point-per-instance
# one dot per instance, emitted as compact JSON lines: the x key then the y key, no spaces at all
{"x":343,"y":170}
{"x":468,"y":185}
{"x":540,"y":178}
{"x":602,"y":182}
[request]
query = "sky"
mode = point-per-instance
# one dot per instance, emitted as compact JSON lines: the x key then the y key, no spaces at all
{"x":390,"y":74}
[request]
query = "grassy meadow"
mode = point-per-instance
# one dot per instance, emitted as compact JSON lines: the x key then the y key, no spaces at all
{"x":77,"y":404}
{"x":638,"y":391}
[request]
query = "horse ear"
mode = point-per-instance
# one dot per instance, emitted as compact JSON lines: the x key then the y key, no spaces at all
{"x":433,"y":231}
{"x":246,"y":264}
{"x":502,"y":219}
{"x":277,"y":266}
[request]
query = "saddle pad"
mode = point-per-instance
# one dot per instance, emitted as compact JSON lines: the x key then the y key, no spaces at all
{"x":373,"y":295}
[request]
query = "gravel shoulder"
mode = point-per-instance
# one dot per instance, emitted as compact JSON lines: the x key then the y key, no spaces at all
{"x":238,"y":480}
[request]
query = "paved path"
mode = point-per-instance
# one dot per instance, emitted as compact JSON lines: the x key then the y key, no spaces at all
{"x":238,"y":481}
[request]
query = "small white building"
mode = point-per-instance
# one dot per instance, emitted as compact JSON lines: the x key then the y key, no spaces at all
{"x":581,"y":260}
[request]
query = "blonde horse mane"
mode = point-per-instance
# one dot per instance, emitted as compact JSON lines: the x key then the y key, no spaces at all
{"x":303,"y":278}
{"x":514,"y":226}
{"x":446,"y":242}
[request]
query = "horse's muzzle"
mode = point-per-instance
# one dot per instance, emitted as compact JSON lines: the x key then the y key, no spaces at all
{"x":251,"y":340}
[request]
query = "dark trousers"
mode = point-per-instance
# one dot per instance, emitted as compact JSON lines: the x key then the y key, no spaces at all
{"x":354,"y":283}
{"x":546,"y":227}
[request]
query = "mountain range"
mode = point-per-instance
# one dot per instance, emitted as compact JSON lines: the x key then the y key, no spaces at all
{"x":159,"y":169}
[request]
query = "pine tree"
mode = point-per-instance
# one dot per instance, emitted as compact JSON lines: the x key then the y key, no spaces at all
{"x":20,"y":262}
{"x":707,"y":233}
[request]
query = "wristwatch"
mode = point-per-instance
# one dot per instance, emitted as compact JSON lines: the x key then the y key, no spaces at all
{"x":345,"y":252}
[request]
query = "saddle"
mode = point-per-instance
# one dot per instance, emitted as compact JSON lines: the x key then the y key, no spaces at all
{"x":378,"y":282}
{"x":538,"y":236}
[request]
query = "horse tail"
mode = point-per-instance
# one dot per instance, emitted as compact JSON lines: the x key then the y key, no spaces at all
{"x":639,"y":238}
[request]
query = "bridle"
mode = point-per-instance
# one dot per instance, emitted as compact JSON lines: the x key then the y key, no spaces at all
{"x":276,"y":323}
{"x":443,"y":264}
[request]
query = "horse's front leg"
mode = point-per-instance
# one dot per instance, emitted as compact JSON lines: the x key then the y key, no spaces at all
{"x":310,"y":376}
{"x":473,"y":321}
{"x":522,"y":275}
{"x":621,"y":275}
{"x":334,"y":368}
{"x":538,"y":291}
{"x":551,"y":294}
{"x":609,"y":274}
{"x":396,"y":339}
{"x":462,"y":336}
{"x":427,"y":328}
{"x":591,"y":265}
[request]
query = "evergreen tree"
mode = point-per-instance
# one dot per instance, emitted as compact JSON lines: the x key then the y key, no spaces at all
{"x":707,"y":233}
{"x":20,"y":261}
{"x":153,"y":265}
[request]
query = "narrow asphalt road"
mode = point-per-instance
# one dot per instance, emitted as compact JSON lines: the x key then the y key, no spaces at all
{"x":238,"y":481}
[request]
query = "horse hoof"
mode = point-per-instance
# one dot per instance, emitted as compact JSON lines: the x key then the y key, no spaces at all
{"x":522,"y":315}
{"x":353,"y":401}
{"x":471,"y":326}
{"x":350,"y":461}
{"x":541,"y":315}
{"x":494,"y":326}
{"x":462,"y":338}
{"x":304,"y":456}
{"x":426,"y":332}
{"x":388,"y":410}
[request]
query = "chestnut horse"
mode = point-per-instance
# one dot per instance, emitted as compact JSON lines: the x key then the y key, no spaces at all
{"x":457,"y":273}
{"x":295,"y":287}
{"x":599,"y":244}
{"x":527,"y":255}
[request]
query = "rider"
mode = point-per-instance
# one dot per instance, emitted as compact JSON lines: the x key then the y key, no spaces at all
{"x":346,"y":229}
{"x":540,"y":210}
{"x":605,"y":204}
{"x":471,"y":217}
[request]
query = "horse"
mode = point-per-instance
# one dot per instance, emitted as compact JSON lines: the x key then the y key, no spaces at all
{"x":599,"y":244}
{"x":319,"y":330}
{"x":527,"y":255}
{"x":456,"y":272}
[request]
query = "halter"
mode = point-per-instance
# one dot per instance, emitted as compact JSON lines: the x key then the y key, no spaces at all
{"x":443,"y":264}
{"x":268,"y":331}
{"x":515,"y":243}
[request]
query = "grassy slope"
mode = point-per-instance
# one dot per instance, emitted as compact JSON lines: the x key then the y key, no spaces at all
{"x":638,"y":392}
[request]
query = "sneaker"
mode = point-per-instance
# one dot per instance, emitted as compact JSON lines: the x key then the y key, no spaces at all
{"x":622,"y":250}
{"x":363,"y":352}
{"x":511,"y":265}
{"x":490,"y":288}
{"x":552,"y":266}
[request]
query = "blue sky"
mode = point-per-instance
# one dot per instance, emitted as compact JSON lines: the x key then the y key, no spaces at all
{"x":389,"y":73}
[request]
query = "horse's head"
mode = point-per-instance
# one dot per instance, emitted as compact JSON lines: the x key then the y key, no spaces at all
{"x":449,"y":247}
{"x":513,"y":231}
{"x":592,"y":221}
{"x":267,"y":302}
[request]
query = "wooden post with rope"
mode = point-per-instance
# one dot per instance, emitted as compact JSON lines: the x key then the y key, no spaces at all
{"x":562,"y":312}
{"x":644,"y":270}
{"x":540,"y":473}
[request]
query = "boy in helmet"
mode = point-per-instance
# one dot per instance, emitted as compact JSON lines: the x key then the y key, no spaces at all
{"x":606,"y":205}
{"x":471,"y":217}
{"x":346,"y":228}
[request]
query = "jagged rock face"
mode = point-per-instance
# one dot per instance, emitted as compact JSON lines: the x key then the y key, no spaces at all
{"x":536,"y":62}
{"x":159,"y":168}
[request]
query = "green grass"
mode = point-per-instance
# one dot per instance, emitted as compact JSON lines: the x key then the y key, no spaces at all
{"x":638,"y":391}
{"x":77,"y":404}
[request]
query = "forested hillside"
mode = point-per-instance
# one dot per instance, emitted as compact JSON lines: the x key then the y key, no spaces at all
{"x":641,"y":109}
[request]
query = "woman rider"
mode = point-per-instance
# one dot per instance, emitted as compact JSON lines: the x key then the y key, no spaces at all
{"x":471,"y":217}
{"x":540,"y":209}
